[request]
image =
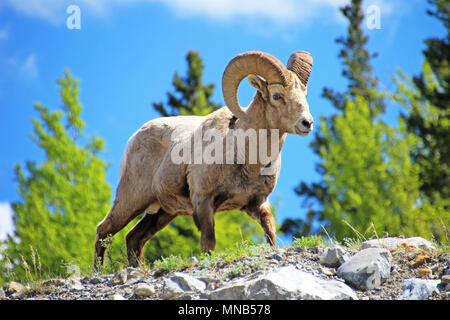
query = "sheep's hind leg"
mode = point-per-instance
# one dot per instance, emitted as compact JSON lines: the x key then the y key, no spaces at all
{"x":116,"y":219}
{"x":143,"y":231}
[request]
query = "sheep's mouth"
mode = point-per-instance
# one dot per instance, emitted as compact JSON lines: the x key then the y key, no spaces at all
{"x":301,"y":132}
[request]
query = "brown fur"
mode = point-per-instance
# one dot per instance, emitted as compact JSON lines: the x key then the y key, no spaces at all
{"x":150,"y":182}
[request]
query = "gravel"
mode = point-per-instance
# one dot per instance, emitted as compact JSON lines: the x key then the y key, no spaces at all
{"x":266,"y":271}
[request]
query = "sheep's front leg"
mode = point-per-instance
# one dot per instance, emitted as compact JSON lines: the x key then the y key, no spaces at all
{"x":204,"y":220}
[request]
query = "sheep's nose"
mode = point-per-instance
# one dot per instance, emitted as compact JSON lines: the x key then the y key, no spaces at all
{"x":307,"y":123}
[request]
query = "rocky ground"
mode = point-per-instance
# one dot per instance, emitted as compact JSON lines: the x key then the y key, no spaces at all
{"x":387,"y":269}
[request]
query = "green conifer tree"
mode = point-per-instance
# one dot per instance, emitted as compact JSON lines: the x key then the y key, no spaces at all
{"x":368,"y":179}
{"x":361,"y":82}
{"x":62,"y":197}
{"x":429,"y":116}
{"x":191,"y":96}
{"x":434,"y":200}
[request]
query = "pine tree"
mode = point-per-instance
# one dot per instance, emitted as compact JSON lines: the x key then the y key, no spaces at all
{"x":192,"y":97}
{"x":361,"y":82}
{"x":429,"y":114}
{"x":434,"y":199}
{"x":356,"y":62}
{"x":62,"y":197}
{"x":369,"y":175}
{"x":368,"y":179}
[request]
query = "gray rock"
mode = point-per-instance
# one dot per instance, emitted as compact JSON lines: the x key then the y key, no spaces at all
{"x":284,"y":283}
{"x":278,"y":256}
{"x":74,"y":285}
{"x":171,"y":289}
{"x":367,"y":269}
{"x":120,"y":277}
{"x":327,"y":271}
{"x":2,"y":294}
{"x":117,"y":297}
{"x":14,"y":287}
{"x":133,"y":273}
{"x":207,"y":278}
{"x":418,"y":289}
{"x":96,"y":280}
{"x":333,"y":256}
{"x":144,"y":290}
{"x":393,"y":243}
{"x":54,"y":282}
{"x":188,"y":282}
{"x":290,"y":283}
{"x":445,"y":279}
{"x":187,"y":296}
{"x":130,"y":282}
{"x":234,"y":291}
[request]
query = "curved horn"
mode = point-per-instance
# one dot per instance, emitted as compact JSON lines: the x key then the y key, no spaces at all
{"x":301,"y":63}
{"x":252,"y":62}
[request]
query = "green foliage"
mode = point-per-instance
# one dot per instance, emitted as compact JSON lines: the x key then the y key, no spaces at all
{"x":427,"y":103}
{"x":63,"y":197}
{"x":369,"y":180}
{"x":370,"y":176}
{"x":235,"y":252}
{"x":430,"y":152}
{"x":426,"y":99}
{"x":310,"y":241}
{"x":356,"y":64}
{"x":192,"y":97}
{"x":172,"y":263}
{"x":362,"y":83}
{"x":241,"y":249}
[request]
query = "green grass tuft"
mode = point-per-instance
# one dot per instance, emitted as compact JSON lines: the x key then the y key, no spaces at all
{"x":311,"y":241}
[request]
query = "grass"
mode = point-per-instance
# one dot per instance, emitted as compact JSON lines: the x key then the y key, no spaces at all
{"x":33,"y":271}
{"x":206,"y":261}
{"x":111,"y":265}
{"x":29,"y":269}
{"x":172,"y":263}
{"x":311,"y":241}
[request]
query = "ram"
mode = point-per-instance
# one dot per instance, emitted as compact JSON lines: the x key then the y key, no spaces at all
{"x":151,"y":182}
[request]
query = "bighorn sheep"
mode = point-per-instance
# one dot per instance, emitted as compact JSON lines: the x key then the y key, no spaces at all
{"x":151,"y":182}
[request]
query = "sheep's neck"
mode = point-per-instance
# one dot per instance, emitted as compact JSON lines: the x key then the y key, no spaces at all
{"x":256,"y":111}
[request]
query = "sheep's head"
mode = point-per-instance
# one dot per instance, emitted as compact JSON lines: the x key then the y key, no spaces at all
{"x":284,"y":89}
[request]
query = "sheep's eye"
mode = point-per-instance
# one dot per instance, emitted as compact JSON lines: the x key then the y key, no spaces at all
{"x":276,"y":96}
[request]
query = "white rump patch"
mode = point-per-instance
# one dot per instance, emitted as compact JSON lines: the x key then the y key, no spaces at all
{"x":125,"y":154}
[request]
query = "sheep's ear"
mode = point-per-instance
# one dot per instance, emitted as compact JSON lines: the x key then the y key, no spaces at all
{"x":304,"y":89}
{"x":258,"y":83}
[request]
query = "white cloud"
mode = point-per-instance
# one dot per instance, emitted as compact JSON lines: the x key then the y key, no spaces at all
{"x":45,"y":9}
{"x":20,"y":68}
{"x":286,"y":12}
{"x":230,"y":9}
{"x":29,"y":68}
{"x":6,"y":222}
{"x":271,"y":13}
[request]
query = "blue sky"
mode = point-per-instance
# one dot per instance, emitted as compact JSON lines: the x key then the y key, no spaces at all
{"x":127,"y":51}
